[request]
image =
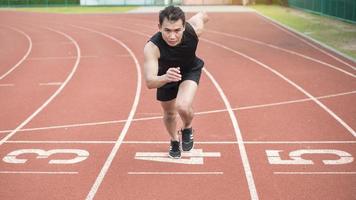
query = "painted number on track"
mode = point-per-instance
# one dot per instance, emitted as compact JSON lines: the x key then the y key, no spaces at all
{"x":81,"y":155}
{"x":274,"y":157}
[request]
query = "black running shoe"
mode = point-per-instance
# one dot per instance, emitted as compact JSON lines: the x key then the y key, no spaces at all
{"x":174,"y":151}
{"x":187,"y":139}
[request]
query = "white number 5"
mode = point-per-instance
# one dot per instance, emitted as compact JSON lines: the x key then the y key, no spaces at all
{"x":274,"y":157}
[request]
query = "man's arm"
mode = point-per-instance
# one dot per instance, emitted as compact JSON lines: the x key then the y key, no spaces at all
{"x":198,"y":21}
{"x":151,"y":55}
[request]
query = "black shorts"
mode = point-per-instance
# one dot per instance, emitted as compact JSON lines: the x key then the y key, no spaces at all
{"x":170,"y":90}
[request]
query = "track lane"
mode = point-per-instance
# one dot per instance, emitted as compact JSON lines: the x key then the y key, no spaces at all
{"x":124,"y":131}
{"x":26,"y":85}
{"x":25,"y":122}
{"x":109,"y":181}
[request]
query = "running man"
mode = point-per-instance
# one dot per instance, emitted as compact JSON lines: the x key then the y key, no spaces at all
{"x":172,"y":67}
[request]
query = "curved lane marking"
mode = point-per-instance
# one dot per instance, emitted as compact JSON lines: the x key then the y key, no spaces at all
{"x":24,"y":57}
{"x":13,"y":132}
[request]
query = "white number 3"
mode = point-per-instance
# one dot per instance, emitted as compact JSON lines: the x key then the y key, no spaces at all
{"x":81,"y":155}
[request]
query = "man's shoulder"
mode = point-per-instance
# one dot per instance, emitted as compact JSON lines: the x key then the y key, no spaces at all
{"x":151,"y":49}
{"x":149,"y":46}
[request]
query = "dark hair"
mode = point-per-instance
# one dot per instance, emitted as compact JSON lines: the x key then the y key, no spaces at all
{"x":172,"y":13}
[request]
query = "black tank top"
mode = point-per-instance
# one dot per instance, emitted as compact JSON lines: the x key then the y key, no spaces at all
{"x":182,"y":55}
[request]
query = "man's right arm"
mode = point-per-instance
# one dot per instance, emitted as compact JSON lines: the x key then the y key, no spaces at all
{"x":151,"y":55}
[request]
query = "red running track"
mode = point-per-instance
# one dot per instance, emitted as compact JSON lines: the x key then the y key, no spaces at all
{"x":275,"y":113}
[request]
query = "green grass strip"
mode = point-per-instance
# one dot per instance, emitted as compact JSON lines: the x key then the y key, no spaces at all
{"x":332,"y":32}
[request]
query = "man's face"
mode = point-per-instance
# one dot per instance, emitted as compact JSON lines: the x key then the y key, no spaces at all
{"x":172,"y":31}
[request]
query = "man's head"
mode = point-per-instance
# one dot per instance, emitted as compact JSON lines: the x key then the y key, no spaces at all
{"x":172,"y":25}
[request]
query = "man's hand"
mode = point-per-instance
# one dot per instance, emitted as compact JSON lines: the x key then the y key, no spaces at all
{"x":198,"y":22}
{"x":173,"y":74}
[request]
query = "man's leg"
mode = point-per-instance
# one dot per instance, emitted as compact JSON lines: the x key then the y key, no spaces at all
{"x":170,"y":121}
{"x":184,"y":101}
{"x":170,"y":118}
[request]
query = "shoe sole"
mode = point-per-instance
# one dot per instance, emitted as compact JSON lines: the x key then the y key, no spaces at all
{"x":174,"y":157}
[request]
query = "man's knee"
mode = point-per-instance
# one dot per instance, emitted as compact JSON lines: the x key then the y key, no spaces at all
{"x":169,"y":115}
{"x":183,"y":107}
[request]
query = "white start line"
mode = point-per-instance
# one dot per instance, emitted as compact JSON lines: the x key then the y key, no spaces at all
{"x":193,"y":157}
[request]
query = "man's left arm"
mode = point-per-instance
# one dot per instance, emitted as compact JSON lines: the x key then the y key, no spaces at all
{"x":198,"y":22}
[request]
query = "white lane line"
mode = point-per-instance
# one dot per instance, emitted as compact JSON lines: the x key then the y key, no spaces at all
{"x":293,"y":101}
{"x":123,"y":133}
{"x":38,"y":172}
{"x":24,"y":57}
{"x":61,"y":58}
{"x":166,"y":142}
{"x":337,"y":118}
{"x":242,"y":149}
{"x":197,"y":113}
{"x":13,"y":132}
{"x":245,"y":162}
{"x":314,"y":173}
{"x":247,"y":142}
{"x":285,"y":50}
{"x":300,"y":142}
{"x":75,"y":125}
{"x":175,"y":173}
{"x":7,"y":85}
{"x":300,"y":37}
{"x":50,"y":84}
{"x":60,"y":142}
